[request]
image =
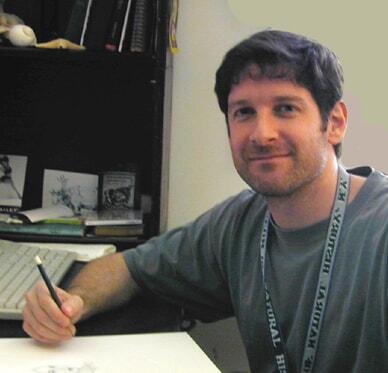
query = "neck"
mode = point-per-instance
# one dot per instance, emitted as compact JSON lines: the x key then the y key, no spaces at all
{"x":309,"y":204}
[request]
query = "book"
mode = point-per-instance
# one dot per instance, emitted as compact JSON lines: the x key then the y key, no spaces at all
{"x":55,"y":229}
{"x":118,"y":189}
{"x":117,"y":21}
{"x":98,"y":24}
{"x":86,"y":21}
{"x":75,"y":24}
{"x":117,"y":230}
{"x":60,"y":213}
{"x":125,"y":26}
{"x":114,"y":217}
{"x":63,"y":220}
{"x":140,"y":27}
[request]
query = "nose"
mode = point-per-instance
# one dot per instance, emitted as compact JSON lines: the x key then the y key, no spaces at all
{"x":264,"y":129}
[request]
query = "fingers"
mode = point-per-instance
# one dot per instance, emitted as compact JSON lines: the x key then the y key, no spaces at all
{"x":72,"y":306}
{"x":44,"y":321}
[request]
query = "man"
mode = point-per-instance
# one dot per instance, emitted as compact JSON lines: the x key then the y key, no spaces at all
{"x":300,"y":260}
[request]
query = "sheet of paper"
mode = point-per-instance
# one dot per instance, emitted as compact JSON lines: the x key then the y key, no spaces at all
{"x":85,"y":252}
{"x":147,"y":353}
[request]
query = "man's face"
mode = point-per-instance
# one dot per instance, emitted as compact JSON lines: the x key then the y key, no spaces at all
{"x":276,"y":136}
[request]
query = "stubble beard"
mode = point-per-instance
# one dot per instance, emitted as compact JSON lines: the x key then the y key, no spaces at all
{"x":298,"y":176}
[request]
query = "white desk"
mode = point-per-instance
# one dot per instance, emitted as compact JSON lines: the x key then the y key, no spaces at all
{"x":174,"y":352}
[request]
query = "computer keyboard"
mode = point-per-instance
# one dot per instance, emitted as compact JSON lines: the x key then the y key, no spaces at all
{"x":19,"y":273}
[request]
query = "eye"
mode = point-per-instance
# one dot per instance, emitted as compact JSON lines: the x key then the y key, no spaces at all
{"x":243,"y":112}
{"x":285,"y":109}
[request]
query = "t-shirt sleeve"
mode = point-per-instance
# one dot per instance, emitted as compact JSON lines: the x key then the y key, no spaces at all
{"x":183,"y":266}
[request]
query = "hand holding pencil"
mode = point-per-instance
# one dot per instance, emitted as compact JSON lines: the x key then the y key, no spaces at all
{"x":50,"y":312}
{"x":47,"y":281}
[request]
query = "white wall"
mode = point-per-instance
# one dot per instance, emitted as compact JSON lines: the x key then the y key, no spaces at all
{"x":201,"y":169}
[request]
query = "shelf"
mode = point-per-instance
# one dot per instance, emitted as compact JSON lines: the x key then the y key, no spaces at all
{"x":120,"y":242}
{"x":47,"y":53}
{"x":72,"y":57}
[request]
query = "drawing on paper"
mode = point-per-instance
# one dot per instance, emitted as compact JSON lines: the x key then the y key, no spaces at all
{"x":77,"y":191}
{"x":52,"y":368}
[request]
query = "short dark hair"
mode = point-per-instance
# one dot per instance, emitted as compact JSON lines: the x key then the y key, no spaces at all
{"x":284,"y":55}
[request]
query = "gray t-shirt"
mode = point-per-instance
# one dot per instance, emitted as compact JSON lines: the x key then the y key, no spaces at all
{"x":212,"y":267}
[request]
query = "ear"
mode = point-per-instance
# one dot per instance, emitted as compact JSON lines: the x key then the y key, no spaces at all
{"x":337,"y":123}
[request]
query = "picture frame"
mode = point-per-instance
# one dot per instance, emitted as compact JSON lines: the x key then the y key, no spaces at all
{"x":12,"y":181}
{"x":118,"y":189}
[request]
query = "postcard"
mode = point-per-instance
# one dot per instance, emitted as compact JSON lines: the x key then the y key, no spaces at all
{"x":78,"y":191}
{"x":12,"y":177}
{"x":117,"y":190}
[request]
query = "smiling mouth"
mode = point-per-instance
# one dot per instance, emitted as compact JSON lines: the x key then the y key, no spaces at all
{"x":267,"y":157}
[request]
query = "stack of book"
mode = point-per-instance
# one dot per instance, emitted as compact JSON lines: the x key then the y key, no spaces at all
{"x":60,"y":221}
{"x":56,"y":220}
{"x":112,"y":222}
{"x":113,"y":25}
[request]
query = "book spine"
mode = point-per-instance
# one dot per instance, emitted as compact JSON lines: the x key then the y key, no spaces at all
{"x":75,"y":24}
{"x":140,"y":26}
{"x":117,"y":21}
{"x":54,"y":229}
{"x":99,"y":22}
{"x":123,"y":230}
{"x":86,"y":21}
{"x":154,"y":34}
{"x":125,"y":26}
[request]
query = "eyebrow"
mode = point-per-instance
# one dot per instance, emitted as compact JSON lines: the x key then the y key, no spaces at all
{"x":285,"y":98}
{"x":237,"y":103}
{"x":290,"y":98}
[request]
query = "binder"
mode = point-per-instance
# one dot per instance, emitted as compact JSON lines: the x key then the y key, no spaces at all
{"x":118,"y":24}
{"x":98,"y":24}
{"x":140,"y":29}
{"x":75,"y":24}
{"x":125,"y":25}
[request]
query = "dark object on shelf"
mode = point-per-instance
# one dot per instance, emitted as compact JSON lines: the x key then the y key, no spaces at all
{"x":140,"y":36}
{"x":133,"y":230}
{"x":98,"y":24}
{"x":75,"y":25}
{"x":117,"y":22}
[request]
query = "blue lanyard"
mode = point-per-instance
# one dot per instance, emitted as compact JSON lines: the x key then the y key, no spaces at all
{"x":322,"y":290}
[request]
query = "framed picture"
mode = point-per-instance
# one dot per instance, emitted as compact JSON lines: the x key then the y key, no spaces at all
{"x":12,"y":178}
{"x":118,"y":190}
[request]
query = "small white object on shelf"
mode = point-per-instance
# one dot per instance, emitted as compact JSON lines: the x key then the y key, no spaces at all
{"x":21,"y":36}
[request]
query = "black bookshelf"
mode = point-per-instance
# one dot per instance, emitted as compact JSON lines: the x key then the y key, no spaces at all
{"x":86,"y":111}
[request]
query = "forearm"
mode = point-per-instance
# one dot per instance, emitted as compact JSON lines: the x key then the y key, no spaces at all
{"x":103,"y":284}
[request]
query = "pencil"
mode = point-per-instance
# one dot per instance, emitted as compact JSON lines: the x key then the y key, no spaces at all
{"x":47,"y":281}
